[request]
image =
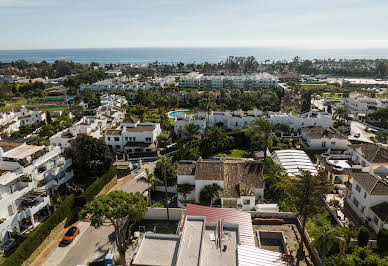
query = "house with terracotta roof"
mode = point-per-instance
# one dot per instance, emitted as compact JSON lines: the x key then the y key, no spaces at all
{"x":241,"y":180}
{"x":370,"y":157}
{"x":323,"y":138}
{"x":368,"y":198}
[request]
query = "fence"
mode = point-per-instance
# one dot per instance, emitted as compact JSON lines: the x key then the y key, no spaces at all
{"x":160,"y":214}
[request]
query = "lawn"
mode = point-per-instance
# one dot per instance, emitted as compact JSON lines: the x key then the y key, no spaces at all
{"x":14,"y":104}
{"x":234,"y":154}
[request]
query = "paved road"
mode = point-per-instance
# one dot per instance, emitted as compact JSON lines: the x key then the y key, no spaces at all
{"x":92,"y":244}
{"x":357,"y":127}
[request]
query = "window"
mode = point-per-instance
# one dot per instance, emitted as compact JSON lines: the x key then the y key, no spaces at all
{"x":247,"y":202}
{"x":358,"y":188}
{"x":364,"y":195}
{"x":333,"y":143}
{"x":323,"y":144}
{"x":148,"y":139}
{"x":126,"y":138}
{"x":376,"y":220}
{"x":117,"y":146}
{"x":134,"y":139}
{"x":362,"y":209}
{"x":355,"y":201}
{"x":117,"y":139}
{"x":10,"y":210}
{"x":108,"y":138}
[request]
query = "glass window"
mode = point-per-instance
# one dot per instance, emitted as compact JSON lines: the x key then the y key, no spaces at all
{"x":358,"y":188}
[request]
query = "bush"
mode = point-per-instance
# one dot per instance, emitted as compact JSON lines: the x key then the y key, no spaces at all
{"x":33,"y":241}
{"x":382,"y":239}
{"x":363,"y":236}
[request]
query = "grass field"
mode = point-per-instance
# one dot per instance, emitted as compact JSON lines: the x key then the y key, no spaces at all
{"x":234,"y":154}
{"x":14,"y":104}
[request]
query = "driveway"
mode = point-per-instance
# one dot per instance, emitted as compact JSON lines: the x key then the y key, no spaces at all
{"x":92,"y":244}
{"x":357,"y":127}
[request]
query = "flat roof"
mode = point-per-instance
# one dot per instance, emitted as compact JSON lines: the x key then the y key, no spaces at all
{"x":22,"y":152}
{"x":158,"y":249}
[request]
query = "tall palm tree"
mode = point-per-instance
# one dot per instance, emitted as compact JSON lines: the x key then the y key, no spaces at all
{"x":149,"y":179}
{"x":218,"y":139}
{"x":261,"y":134}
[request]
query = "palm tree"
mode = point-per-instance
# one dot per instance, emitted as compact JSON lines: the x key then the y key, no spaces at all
{"x":306,"y":193}
{"x":218,"y":139}
{"x":261,"y":134}
{"x":190,"y":131}
{"x":325,"y":238}
{"x":185,"y":189}
{"x":149,"y":179}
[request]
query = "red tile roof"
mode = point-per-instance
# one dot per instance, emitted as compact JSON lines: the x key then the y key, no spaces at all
{"x":232,"y":216}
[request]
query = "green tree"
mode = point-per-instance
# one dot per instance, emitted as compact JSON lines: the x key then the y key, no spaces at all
{"x":48,"y":118}
{"x":362,"y":256}
{"x":208,"y":194}
{"x":363,"y":236}
{"x":261,"y":135}
{"x":91,"y":158}
{"x":341,"y":113}
{"x":120,"y":209}
{"x":306,"y":193}
{"x":185,"y":189}
{"x":329,"y":109}
{"x":190,"y":131}
{"x":217,"y":139}
{"x":324,"y":239}
{"x":150,"y":180}
{"x":382,"y":240}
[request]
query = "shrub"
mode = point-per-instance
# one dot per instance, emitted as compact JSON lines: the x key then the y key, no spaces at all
{"x":363,"y":236}
{"x":99,"y":184}
{"x":382,"y":239}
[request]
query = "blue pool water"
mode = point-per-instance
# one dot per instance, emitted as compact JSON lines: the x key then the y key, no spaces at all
{"x":175,"y":113}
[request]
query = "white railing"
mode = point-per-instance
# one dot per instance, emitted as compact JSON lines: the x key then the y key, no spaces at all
{"x":41,"y":205}
{"x":10,"y":176}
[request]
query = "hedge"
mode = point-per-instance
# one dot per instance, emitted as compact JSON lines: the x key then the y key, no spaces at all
{"x":28,"y":246}
{"x":32,"y":242}
{"x":98,"y":185}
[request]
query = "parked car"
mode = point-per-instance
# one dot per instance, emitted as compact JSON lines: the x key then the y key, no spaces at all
{"x":357,"y":135}
{"x":70,"y":234}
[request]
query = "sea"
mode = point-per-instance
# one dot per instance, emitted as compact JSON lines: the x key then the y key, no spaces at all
{"x":185,"y":55}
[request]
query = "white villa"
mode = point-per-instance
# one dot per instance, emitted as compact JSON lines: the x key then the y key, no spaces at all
{"x":113,"y":114}
{"x":88,"y":125}
{"x":27,"y":175}
{"x":228,"y":120}
{"x":258,"y":80}
{"x":113,"y":100}
{"x":362,"y":105}
{"x":241,"y":180}
{"x":321,"y":138}
{"x":133,"y":136}
{"x":307,"y":119}
{"x":12,"y":121}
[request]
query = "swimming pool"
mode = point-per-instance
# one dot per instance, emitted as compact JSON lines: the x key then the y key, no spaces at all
{"x":173,"y":114}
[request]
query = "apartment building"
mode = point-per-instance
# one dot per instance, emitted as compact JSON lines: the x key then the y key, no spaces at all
{"x":257,"y":80}
{"x":363,"y":105}
{"x":133,"y":136}
{"x":228,"y":120}
{"x":241,"y":180}
{"x":88,"y":125}
{"x":13,"y":120}
{"x":113,"y":100}
{"x":306,"y":119}
{"x":28,"y":174}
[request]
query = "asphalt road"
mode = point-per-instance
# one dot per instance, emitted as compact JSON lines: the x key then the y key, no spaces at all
{"x":92,"y":244}
{"x":357,"y":127}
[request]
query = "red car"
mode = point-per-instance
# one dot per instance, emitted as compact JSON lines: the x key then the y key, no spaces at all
{"x":70,"y":234}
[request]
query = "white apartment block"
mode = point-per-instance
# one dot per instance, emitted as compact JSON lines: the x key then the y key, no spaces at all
{"x":241,"y":180}
{"x":12,"y":121}
{"x":28,"y":174}
{"x":88,"y":125}
{"x":228,"y":120}
{"x":117,"y":84}
{"x":258,"y":80}
{"x":321,"y":138}
{"x":359,"y":104}
{"x":133,"y":136}
{"x":113,"y":100}
{"x":114,"y":115}
{"x":307,"y":119}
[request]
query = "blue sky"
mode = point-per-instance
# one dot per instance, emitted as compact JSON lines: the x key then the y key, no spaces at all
{"x":40,"y":24}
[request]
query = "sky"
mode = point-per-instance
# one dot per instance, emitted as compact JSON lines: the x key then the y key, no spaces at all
{"x":52,"y":24}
